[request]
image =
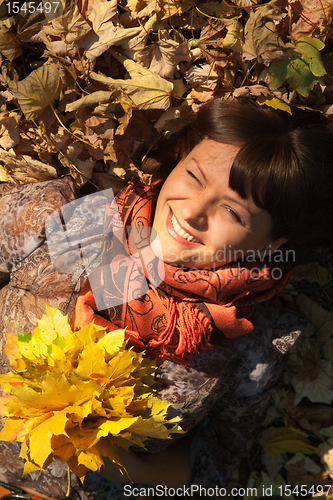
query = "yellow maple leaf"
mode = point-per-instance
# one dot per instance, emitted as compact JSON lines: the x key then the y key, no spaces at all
{"x":51,"y":325}
{"x":122,"y":366}
{"x":62,"y":448}
{"x":11,"y":429}
{"x":41,"y":436}
{"x":112,"y":341}
{"x":276,"y":440}
{"x":77,"y":396}
{"x":120,"y":398}
{"x":91,"y":459}
{"x":115,"y":426}
{"x":92,"y":362}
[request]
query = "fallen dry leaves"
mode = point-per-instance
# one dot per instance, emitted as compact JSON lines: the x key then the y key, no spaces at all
{"x":297,"y":437}
{"x":69,"y":68}
{"x":88,"y":89}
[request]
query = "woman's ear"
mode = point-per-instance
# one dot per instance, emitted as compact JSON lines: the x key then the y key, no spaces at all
{"x":274,"y":245}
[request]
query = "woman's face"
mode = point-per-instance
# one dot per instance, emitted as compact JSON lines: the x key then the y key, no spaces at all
{"x":200,"y":221}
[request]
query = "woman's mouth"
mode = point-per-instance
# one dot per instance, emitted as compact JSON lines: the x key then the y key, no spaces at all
{"x":179,"y":233}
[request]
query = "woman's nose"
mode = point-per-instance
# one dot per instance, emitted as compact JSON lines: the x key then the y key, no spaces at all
{"x":195,"y":212}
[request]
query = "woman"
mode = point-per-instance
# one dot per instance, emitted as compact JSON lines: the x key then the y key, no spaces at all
{"x":240,"y":182}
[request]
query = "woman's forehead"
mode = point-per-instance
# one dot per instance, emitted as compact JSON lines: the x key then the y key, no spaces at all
{"x":209,"y":153}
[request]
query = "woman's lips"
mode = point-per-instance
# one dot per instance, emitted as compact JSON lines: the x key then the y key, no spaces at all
{"x":177,"y":236}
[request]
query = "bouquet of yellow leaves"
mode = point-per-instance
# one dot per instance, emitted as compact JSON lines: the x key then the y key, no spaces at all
{"x":77,"y":396}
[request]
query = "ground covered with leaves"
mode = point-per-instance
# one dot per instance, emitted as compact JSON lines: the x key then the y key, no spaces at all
{"x":89,"y":87}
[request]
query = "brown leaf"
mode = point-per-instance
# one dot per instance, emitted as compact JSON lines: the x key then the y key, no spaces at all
{"x":110,"y":153}
{"x":304,"y":360}
{"x":23,"y":170}
{"x":126,"y":105}
{"x":251,"y":91}
{"x":135,"y":45}
{"x":120,"y":151}
{"x":9,"y":130}
{"x":89,"y":100}
{"x":64,"y":49}
{"x":319,"y":390}
{"x":144,"y":89}
{"x":47,"y":119}
{"x":140,"y":127}
{"x":245,"y":3}
{"x":220,"y":34}
{"x":166,"y":54}
{"x":314,"y":18}
{"x":104,"y":33}
{"x":328,"y":78}
{"x":175,"y":7}
{"x":7,"y":95}
{"x":262,"y":41}
{"x":273,"y":464}
{"x":87,"y":6}
{"x":56,"y":10}
{"x":326,"y":348}
{"x":143,"y":8}
{"x":202,"y":95}
{"x":67,"y":72}
{"x":94,"y":45}
{"x":102,"y":126}
{"x":202,"y":76}
{"x":217,"y":9}
{"x":79,"y":162}
{"x":175,"y":119}
{"x":145,"y":178}
{"x":301,"y":470}
{"x":108,"y":180}
{"x":29,"y":25}
{"x":321,"y":320}
{"x":102,"y":12}
{"x":180,"y":88}
{"x":10,"y":45}
{"x":312,"y":272}
{"x":38,"y":90}
{"x":32,"y":143}
{"x":71,"y":24}
{"x":313,"y":417}
{"x":225,"y":66}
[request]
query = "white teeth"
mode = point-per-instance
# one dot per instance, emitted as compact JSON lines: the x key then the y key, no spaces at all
{"x":181,"y":231}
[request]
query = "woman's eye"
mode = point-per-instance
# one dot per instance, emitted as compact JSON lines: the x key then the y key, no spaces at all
{"x":193,"y":176}
{"x":235,"y":215}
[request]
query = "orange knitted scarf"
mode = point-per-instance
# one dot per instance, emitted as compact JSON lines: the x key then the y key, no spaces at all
{"x":174,"y":318}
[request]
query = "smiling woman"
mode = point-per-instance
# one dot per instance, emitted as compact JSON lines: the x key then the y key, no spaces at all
{"x":240,"y":181}
{"x":187,"y":266}
{"x":198,"y":216}
{"x":283,"y":162}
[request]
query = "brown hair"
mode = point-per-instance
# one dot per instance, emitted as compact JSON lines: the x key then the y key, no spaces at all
{"x":286,"y":159}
